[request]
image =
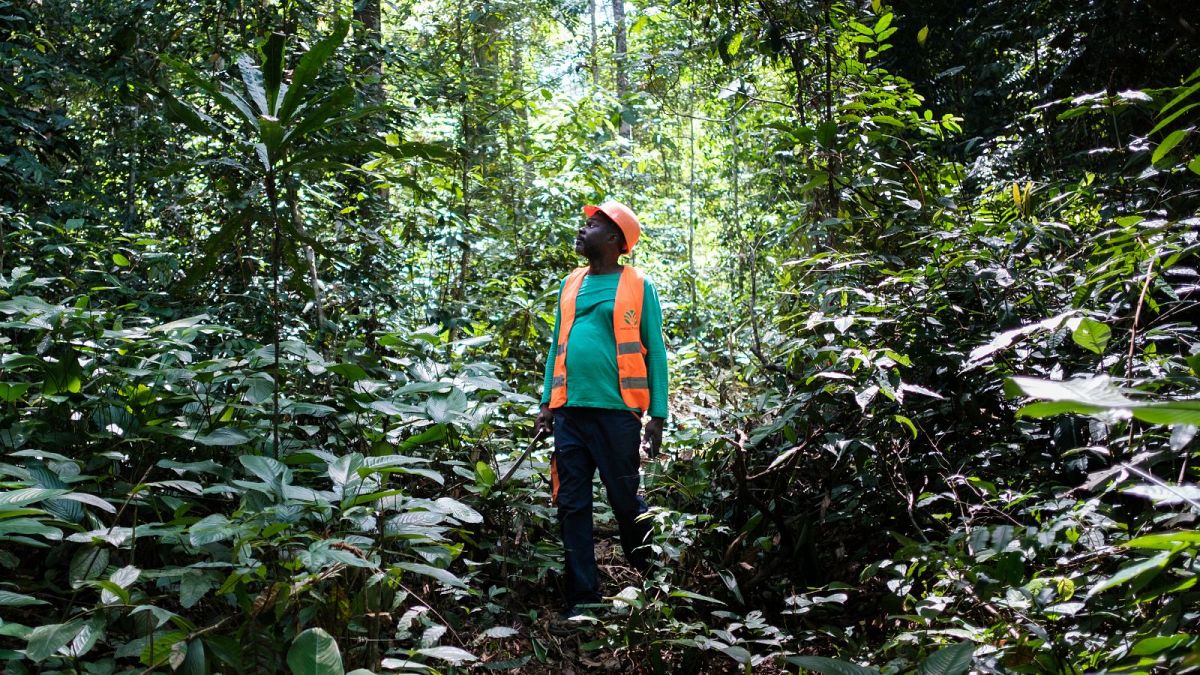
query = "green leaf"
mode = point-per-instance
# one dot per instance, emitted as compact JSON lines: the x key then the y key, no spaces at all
{"x":883,"y":23}
{"x":273,"y":69}
{"x":735,"y":43}
{"x":1194,"y":165}
{"x":45,"y":641}
{"x":952,"y":660}
{"x":1130,"y":572}
{"x":459,"y":510}
{"x":193,"y":119}
{"x":252,"y":77}
{"x":310,"y":64}
{"x":192,"y":587}
{"x":180,"y":324}
{"x":10,"y":599}
{"x":225,"y":436}
{"x":453,"y":655}
{"x":1179,"y":98}
{"x":433,"y":434}
{"x":1091,"y":335}
{"x":1173,"y":412}
{"x":30,"y":495}
{"x":28,"y":526}
{"x":907,"y":423}
{"x":165,"y":647}
{"x":321,"y":115}
{"x":438,"y":573}
{"x":90,"y":500}
{"x":87,"y":563}
{"x":1166,"y":540}
{"x":694,"y":596}
{"x":1167,"y":494}
{"x":922,"y":35}
{"x":1162,"y":643}
{"x":13,"y":391}
{"x":215,"y":527}
{"x":1178,"y":113}
{"x":1095,"y":391}
{"x":828,"y":666}
{"x":315,"y":652}
{"x":120,"y":260}
{"x":739,"y":654}
{"x":1167,"y":144}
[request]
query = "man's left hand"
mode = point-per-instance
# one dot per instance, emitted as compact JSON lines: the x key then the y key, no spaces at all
{"x":652,"y":440}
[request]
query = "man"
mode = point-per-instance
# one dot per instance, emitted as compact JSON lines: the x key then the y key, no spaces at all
{"x":607,"y":367}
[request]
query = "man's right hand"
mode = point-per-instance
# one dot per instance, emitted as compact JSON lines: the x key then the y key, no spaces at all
{"x":545,"y":421}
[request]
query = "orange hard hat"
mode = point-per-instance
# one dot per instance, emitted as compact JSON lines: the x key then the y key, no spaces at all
{"x":621,"y":215}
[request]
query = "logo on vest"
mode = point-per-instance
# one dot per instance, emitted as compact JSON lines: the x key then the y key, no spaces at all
{"x":631,"y":317}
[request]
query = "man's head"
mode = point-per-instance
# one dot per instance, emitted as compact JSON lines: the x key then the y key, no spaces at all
{"x":600,"y":237}
{"x":622,"y":217}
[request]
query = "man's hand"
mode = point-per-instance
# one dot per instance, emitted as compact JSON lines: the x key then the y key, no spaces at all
{"x":545,"y":421}
{"x":652,"y":440}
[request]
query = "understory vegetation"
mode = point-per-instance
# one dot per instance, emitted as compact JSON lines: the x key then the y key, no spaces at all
{"x":277,"y":285}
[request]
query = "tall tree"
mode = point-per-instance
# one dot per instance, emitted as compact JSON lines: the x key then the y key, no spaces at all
{"x":622,"y":65}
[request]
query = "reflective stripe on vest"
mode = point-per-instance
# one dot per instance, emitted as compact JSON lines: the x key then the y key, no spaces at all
{"x":627,"y":331}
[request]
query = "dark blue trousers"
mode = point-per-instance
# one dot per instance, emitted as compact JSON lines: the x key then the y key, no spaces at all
{"x":587,"y":440}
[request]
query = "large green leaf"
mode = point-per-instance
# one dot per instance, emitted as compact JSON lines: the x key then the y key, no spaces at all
{"x":453,"y":655}
{"x":1130,"y":572}
{"x":30,"y":495}
{"x":227,"y":100}
{"x":199,"y":122}
{"x":252,"y":77}
{"x":317,"y":117}
{"x":10,"y":599}
{"x":46,"y":640}
{"x":952,"y":660}
{"x":438,"y":573}
{"x":224,"y":436}
{"x":211,"y":528}
{"x":1091,"y":335}
{"x":310,"y":64}
{"x":273,"y":69}
{"x":315,"y":652}
{"x":1166,"y":540}
{"x":829,"y":666}
{"x":1173,"y":139}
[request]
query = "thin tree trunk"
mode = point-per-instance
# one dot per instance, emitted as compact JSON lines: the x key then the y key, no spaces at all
{"x":370,"y":14}
{"x":517,"y":63}
{"x":618,"y":7}
{"x":595,"y":60}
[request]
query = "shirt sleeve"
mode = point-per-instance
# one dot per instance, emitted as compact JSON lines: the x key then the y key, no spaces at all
{"x":553,"y":353}
{"x":656,"y":351}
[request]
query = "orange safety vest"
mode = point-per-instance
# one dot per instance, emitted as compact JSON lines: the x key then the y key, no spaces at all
{"x":627,"y":329}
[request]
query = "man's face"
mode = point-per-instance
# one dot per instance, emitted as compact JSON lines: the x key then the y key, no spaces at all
{"x":596,"y":235}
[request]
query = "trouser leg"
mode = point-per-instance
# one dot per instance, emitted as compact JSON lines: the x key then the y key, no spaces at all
{"x":575,"y":471}
{"x":617,"y":436}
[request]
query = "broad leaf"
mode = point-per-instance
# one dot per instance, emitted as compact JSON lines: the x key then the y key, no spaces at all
{"x":315,"y":652}
{"x":452,"y":655}
{"x":828,"y":666}
{"x":46,"y":640}
{"x":441,"y":575}
{"x":952,"y":660}
{"x":308,"y":67}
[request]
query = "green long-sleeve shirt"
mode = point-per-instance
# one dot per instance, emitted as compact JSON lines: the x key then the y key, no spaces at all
{"x":592,"y":379}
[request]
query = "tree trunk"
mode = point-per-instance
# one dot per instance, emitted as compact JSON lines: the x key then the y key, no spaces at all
{"x":595,"y":61}
{"x":618,"y":7}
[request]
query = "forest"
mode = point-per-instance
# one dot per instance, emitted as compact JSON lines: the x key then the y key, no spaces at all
{"x":278,"y":281}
